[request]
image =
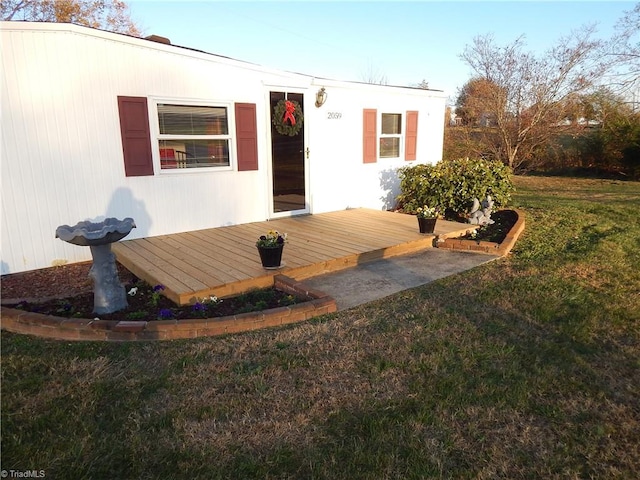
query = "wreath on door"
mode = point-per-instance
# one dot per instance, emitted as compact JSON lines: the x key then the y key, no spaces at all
{"x":287,"y":117}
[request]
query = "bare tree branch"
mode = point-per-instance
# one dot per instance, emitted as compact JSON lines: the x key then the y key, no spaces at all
{"x":525,"y":94}
{"x":622,"y":54}
{"x":374,"y":76}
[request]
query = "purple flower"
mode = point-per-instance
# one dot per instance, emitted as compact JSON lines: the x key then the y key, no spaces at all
{"x":158,"y":288}
{"x":165,"y":314}
{"x":198,"y":307}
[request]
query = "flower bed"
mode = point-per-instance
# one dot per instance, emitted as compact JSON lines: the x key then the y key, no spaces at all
{"x":146,"y":303}
{"x":496,"y":239}
{"x":53,"y":326}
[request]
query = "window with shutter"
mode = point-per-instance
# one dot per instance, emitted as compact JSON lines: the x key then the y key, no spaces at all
{"x":187,"y":135}
{"x":392,"y":140}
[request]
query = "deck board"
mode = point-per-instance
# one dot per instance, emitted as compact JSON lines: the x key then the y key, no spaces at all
{"x":224,"y":261}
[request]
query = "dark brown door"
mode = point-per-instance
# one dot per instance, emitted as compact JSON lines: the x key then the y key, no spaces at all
{"x":288,"y":162}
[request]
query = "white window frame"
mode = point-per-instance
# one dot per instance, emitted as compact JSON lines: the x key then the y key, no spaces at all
{"x":399,"y":136}
{"x":157,"y":136}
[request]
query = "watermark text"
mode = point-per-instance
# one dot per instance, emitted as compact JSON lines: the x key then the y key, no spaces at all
{"x":23,"y":474}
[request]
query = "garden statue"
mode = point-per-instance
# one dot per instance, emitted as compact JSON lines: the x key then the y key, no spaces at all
{"x":109,"y":295}
{"x":481,"y":216}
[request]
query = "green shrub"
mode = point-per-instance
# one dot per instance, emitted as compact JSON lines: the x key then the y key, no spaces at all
{"x":453,"y":184}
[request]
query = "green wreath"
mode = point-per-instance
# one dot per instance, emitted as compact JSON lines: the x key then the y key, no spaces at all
{"x":287,"y":117}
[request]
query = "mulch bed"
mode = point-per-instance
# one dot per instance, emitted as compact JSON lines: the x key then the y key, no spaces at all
{"x":504,"y":220}
{"x":60,"y":281}
{"x":67,"y":291}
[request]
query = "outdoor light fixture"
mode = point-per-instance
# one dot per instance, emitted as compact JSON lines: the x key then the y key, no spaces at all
{"x":321,"y":97}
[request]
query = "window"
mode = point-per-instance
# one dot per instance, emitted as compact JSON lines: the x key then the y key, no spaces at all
{"x":390,"y":141}
{"x":175,"y":147}
{"x":193,"y":136}
{"x":390,"y":135}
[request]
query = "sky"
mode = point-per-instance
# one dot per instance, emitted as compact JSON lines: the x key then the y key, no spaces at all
{"x":405,"y":42}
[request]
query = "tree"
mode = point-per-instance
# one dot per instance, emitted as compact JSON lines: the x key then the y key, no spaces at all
{"x":111,"y":15}
{"x":374,"y":76}
{"x":614,"y":143}
{"x":474,"y":102}
{"x":622,"y":53}
{"x":525,"y":94}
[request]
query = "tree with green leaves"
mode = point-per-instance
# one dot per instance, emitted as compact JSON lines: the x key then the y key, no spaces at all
{"x":110,"y":15}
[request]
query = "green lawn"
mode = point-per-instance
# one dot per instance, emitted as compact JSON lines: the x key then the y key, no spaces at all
{"x":527,"y":367}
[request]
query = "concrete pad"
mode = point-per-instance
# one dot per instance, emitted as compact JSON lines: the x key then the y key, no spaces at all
{"x":381,"y":278}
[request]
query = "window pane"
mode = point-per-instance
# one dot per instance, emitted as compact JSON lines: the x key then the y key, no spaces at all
{"x":391,"y":123}
{"x":191,"y":120}
{"x":194,"y":153}
{"x":389,"y":147}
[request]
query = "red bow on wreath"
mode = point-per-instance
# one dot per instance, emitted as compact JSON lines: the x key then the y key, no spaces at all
{"x":288,"y":114}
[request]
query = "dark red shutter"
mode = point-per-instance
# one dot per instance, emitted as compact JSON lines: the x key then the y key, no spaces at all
{"x":136,"y":140}
{"x":370,"y":136}
{"x":411,"y":136}
{"x":246,"y":136}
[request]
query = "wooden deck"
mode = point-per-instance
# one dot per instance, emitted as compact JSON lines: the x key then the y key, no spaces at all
{"x":224,"y":261}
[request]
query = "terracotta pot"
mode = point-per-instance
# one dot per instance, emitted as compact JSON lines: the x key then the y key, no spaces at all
{"x":427,"y":225}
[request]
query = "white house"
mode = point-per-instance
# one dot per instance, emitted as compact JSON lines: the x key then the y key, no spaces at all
{"x":98,"y":124}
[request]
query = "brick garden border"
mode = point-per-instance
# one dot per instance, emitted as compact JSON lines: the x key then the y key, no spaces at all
{"x":48,"y":326}
{"x":480,"y":246}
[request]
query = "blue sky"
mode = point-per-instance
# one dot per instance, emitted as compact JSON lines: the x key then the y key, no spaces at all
{"x":407,"y":42}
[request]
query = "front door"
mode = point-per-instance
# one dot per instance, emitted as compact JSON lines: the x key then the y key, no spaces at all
{"x":288,"y":171}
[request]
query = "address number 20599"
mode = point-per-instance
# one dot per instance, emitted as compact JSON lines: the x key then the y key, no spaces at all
{"x":334,"y":115}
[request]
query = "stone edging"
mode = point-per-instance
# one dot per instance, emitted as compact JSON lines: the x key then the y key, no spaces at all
{"x":48,"y":326}
{"x":490,"y":248}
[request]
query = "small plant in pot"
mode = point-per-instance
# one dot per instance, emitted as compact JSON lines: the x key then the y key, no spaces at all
{"x":270,"y":248}
{"x":427,"y":217}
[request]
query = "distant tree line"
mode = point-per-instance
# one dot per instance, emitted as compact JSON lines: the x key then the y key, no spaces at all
{"x":574,"y":107}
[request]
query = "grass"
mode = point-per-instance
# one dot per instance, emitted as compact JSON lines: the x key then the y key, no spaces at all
{"x":526,"y":367}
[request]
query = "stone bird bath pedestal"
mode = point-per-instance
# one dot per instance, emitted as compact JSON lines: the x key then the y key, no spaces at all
{"x":109,"y":295}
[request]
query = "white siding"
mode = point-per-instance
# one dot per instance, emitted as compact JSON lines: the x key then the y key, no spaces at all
{"x":339,"y":177}
{"x":62,"y":156}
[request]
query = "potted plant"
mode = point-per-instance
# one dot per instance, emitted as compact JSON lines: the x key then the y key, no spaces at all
{"x":427,"y":217}
{"x":270,"y":248}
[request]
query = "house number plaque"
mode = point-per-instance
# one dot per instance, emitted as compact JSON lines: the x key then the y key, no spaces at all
{"x":334,"y":115}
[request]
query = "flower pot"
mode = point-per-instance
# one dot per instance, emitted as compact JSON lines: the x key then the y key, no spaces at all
{"x":271,"y":257}
{"x":426,"y":225}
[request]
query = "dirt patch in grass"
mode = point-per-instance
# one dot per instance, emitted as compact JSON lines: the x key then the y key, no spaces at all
{"x":66,"y":291}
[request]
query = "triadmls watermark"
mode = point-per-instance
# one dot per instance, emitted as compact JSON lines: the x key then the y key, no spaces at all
{"x":23,"y":474}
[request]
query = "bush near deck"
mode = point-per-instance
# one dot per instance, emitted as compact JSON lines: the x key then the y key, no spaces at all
{"x":453,"y":184}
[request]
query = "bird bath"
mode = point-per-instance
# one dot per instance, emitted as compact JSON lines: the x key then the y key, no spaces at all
{"x":109,"y":295}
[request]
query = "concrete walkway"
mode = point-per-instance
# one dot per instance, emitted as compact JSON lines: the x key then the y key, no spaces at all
{"x":380,"y":278}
